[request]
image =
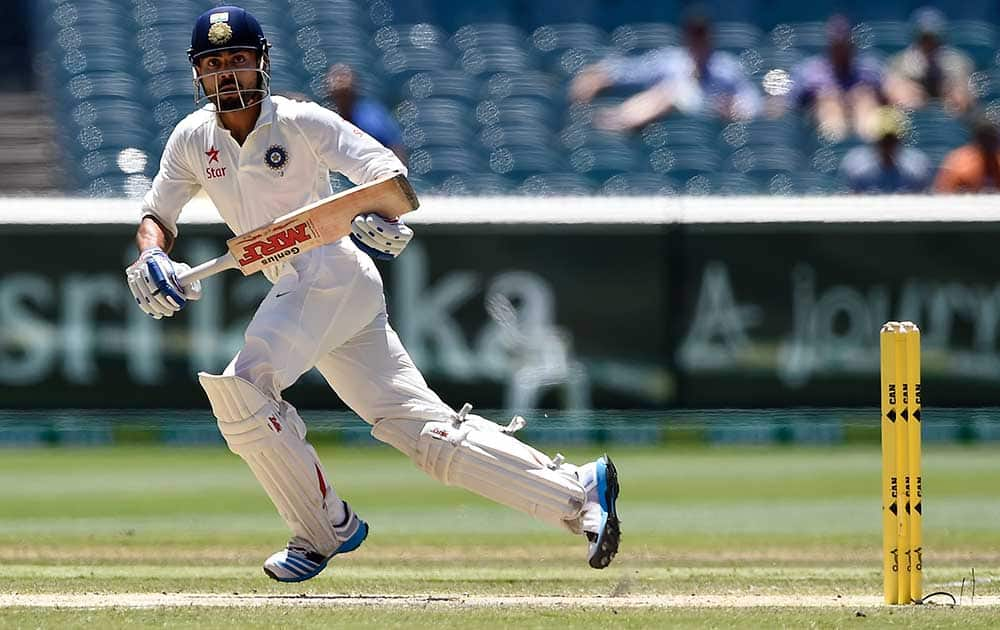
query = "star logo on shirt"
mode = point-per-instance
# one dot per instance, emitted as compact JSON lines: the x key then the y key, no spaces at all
{"x":213,"y":154}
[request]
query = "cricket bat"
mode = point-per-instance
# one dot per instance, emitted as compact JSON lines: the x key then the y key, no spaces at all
{"x":308,"y":227}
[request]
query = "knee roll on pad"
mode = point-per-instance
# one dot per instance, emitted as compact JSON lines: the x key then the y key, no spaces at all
{"x":270,"y":437}
{"x":478,"y":456}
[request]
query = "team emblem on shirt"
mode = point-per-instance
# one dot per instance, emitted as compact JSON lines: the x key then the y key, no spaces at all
{"x":276,"y":157}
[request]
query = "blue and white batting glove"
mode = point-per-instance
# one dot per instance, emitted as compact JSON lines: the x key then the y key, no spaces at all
{"x":380,"y":238}
{"x":153,"y":282}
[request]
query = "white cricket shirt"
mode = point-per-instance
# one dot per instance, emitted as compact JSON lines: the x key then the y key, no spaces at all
{"x":284,"y":163}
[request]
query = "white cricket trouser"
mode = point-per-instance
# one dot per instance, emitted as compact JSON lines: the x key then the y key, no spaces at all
{"x":328,"y":311}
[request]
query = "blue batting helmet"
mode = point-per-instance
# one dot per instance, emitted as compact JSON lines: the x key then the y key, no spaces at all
{"x":229,"y":28}
{"x":224,"y":28}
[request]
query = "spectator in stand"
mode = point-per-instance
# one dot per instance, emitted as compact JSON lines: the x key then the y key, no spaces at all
{"x":694,"y":80}
{"x":975,"y":167}
{"x":367,"y":114}
{"x":886,"y":166}
{"x":928,"y":70}
{"x":843,"y":90}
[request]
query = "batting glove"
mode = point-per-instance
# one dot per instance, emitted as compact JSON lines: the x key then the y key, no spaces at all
{"x":153,"y":282}
{"x":380,"y":238}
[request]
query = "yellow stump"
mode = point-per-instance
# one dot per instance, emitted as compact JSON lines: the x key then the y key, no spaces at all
{"x":901,"y":478}
{"x":914,"y":508}
{"x":890,"y":485}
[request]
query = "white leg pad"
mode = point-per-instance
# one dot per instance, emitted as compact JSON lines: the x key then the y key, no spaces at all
{"x":270,"y":437}
{"x":478,"y":456}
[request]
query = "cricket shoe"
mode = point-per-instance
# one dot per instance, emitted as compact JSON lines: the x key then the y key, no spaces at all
{"x":300,"y":561}
{"x":601,"y":523}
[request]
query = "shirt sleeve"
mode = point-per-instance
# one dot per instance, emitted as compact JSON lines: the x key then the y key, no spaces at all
{"x":174,"y":185}
{"x":344,"y":148}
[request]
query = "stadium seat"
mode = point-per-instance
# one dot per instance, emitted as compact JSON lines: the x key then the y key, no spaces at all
{"x":437,"y":133}
{"x":539,"y":85}
{"x":523,"y":160}
{"x":888,"y":36}
{"x":537,"y":14}
{"x":641,"y":37}
{"x":565,"y":48}
{"x":810,"y":37}
{"x":133,"y":186}
{"x":932,"y":125}
{"x":454,"y":15}
{"x":109,"y":112}
{"x":683,"y":131}
{"x":818,"y":184}
{"x":478,"y":61}
{"x":732,"y":184}
{"x":601,"y":160}
{"x":764,"y":161}
{"x":487,"y":36}
{"x":976,"y":38}
{"x":684,"y":162}
{"x":430,"y":111}
{"x":736,"y":36}
{"x":437,"y":163}
{"x":556,"y":184}
{"x":776,"y":132}
{"x":451,"y":84}
{"x":638,"y":184}
{"x":477,"y":184}
{"x":96,"y":58}
{"x":555,"y":37}
{"x":303,"y":12}
{"x":402,"y":62}
{"x":523,"y":133}
{"x":515,"y":110}
{"x":420,"y":35}
{"x":171,"y":38}
{"x":92,"y":85}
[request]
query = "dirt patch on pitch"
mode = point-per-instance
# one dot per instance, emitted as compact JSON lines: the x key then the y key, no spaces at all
{"x":159,"y":600}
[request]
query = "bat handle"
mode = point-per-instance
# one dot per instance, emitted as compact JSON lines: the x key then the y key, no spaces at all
{"x":206,"y":269}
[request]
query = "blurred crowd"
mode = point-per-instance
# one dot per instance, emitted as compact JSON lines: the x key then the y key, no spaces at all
{"x":845,"y":93}
{"x":849,"y":96}
{"x":563,"y":97}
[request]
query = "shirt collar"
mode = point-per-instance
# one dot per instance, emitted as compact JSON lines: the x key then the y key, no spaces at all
{"x":266,"y":116}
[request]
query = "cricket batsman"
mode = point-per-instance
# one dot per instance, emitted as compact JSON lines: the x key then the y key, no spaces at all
{"x":258,"y":156}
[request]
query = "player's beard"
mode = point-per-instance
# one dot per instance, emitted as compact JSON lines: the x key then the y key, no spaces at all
{"x":231,"y":95}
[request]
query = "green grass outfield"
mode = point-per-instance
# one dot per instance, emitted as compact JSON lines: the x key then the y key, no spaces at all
{"x":712,"y":537}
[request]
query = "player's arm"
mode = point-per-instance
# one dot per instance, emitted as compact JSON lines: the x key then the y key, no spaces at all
{"x":342,"y":147}
{"x":151,"y":233}
{"x":152,"y":278}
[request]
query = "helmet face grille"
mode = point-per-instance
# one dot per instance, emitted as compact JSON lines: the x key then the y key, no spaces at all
{"x":248,"y":96}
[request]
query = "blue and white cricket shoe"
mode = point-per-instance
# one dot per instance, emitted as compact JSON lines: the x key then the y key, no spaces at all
{"x":604,"y":542}
{"x":300,"y":561}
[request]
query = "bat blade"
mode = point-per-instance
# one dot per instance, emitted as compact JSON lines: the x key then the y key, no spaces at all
{"x":317,"y":224}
